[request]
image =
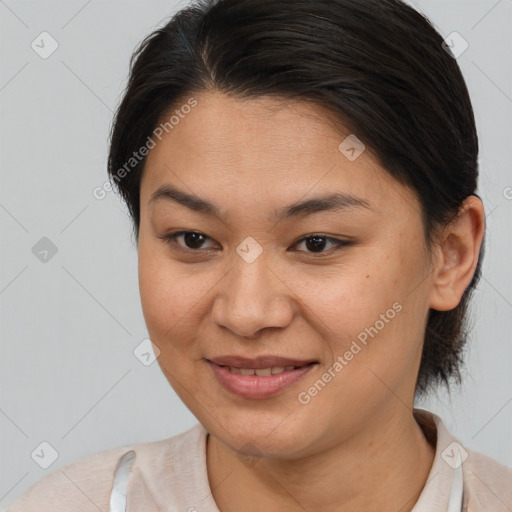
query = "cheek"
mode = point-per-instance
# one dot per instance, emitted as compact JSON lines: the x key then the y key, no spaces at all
{"x":372,"y":304}
{"x":348,"y":299}
{"x":167,"y":296}
{"x":374,"y":335}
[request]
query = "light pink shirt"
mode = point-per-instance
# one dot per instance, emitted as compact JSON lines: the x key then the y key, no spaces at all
{"x":171,"y":475}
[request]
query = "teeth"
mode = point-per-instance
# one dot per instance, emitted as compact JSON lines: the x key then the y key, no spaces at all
{"x":261,"y":372}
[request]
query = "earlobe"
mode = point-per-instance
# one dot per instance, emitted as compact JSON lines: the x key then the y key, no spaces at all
{"x":457,"y":255}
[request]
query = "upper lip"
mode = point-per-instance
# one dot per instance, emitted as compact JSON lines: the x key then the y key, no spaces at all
{"x":258,"y":362}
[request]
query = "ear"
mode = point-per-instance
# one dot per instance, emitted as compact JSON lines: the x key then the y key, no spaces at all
{"x":457,"y":255}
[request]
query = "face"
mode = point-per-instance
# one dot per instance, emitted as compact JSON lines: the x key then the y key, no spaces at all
{"x":285,"y":283}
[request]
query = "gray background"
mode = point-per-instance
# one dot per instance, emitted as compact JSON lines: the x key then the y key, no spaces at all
{"x":69,"y":325}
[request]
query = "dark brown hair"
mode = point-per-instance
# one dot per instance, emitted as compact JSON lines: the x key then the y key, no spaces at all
{"x":378,"y":65}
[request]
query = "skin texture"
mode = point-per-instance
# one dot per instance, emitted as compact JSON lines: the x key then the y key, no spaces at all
{"x":355,"y":445}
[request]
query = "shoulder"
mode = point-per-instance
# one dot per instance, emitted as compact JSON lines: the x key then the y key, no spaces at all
{"x":488,"y":483}
{"x":80,"y":485}
{"x":85,"y":484}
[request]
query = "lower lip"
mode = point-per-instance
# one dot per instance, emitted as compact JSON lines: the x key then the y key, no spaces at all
{"x":254,"y":386}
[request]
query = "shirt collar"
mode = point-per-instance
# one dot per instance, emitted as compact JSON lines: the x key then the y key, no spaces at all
{"x":445,"y":476}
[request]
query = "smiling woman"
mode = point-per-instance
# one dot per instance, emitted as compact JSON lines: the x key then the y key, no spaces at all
{"x":309,"y":235}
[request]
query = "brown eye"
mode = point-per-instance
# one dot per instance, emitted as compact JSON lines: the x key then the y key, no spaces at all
{"x":192,"y":240}
{"x":317,"y":243}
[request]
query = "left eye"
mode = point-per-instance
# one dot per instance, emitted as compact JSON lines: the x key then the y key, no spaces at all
{"x":318,"y":243}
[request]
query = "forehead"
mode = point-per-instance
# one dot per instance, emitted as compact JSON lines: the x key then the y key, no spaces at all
{"x":255,"y":128}
{"x":266,"y":146}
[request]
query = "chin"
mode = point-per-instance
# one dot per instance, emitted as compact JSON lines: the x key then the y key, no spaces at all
{"x":281,"y":433}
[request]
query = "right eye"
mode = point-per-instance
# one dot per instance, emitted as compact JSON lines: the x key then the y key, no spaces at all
{"x":192,"y":240}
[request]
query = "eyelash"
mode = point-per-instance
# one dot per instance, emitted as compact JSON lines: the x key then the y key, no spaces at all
{"x":170,"y":239}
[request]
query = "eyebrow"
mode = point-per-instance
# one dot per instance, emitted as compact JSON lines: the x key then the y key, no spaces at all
{"x":331,"y":202}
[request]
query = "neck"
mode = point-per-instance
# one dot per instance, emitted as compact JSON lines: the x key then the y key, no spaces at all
{"x":384,"y":467}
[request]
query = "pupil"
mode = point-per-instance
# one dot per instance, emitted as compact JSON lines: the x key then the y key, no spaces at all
{"x":315,"y":242}
{"x":193,"y":240}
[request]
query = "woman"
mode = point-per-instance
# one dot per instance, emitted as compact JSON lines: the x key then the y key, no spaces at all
{"x":302,"y":181}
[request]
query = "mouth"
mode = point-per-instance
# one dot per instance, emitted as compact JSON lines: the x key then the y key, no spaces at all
{"x":262,"y":372}
{"x":258,"y":378}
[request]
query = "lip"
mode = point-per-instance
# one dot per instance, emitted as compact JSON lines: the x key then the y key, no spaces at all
{"x":255,"y":386}
{"x":258,"y":362}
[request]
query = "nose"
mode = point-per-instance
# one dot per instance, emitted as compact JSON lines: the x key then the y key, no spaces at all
{"x":251,"y":298}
